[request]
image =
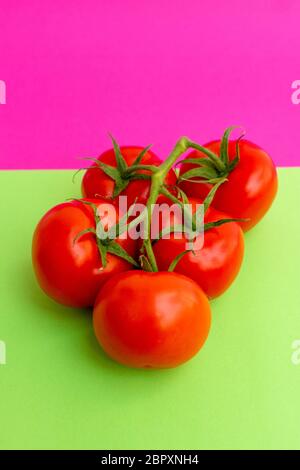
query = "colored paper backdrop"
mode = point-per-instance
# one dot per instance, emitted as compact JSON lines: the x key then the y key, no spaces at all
{"x":58,"y":390}
{"x":146,"y":71}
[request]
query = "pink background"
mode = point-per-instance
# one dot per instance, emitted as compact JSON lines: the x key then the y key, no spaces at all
{"x":148,"y":72}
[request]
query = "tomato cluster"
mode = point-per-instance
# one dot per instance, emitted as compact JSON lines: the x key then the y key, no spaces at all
{"x":150,"y":286}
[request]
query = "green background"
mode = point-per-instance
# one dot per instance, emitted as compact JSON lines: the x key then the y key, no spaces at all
{"x":58,"y":390}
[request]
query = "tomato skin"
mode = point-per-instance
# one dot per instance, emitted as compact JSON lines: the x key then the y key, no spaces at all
{"x":96,"y":183}
{"x":72,"y":273}
{"x":213,"y":267}
{"x":251,"y":186}
{"x":151,"y":320}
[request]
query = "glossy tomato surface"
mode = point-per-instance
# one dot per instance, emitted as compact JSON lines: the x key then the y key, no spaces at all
{"x":251,"y":186}
{"x":71,"y":271}
{"x":96,"y":183}
{"x":216,"y":263}
{"x":151,"y":320}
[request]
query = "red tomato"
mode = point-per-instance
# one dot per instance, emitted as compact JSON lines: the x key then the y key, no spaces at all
{"x":157,"y":320}
{"x":214,"y":266}
{"x":251,"y":186}
{"x":96,"y":183}
{"x":71,"y":272}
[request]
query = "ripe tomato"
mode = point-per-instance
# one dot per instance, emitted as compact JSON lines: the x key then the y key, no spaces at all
{"x":251,"y":186}
{"x":214,"y":266}
{"x":157,"y":320}
{"x":70,"y":270}
{"x":96,"y":183}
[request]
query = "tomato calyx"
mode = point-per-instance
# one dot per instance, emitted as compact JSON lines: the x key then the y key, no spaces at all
{"x":212,"y":168}
{"x":122,"y":174}
{"x":221,"y":166}
{"x":191,"y":225}
{"x":145,"y":263}
{"x":105,"y":239}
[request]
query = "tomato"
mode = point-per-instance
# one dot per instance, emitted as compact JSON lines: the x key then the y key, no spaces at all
{"x":70,"y":269}
{"x":146,"y":320}
{"x":251,"y":186}
{"x":96,"y":183}
{"x":214,"y":266}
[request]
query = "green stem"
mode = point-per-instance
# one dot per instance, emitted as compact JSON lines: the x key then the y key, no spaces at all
{"x":157,"y":185}
{"x":211,"y":155}
{"x":166,"y":192}
{"x":174,"y":199}
{"x":134,"y":168}
{"x":181,"y":146}
{"x":157,"y":181}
